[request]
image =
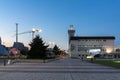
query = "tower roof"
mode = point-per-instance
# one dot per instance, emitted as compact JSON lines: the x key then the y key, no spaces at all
{"x":71,"y":27}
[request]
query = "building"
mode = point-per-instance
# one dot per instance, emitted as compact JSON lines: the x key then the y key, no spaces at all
{"x":3,"y":50}
{"x":20,"y":46}
{"x":80,"y":46}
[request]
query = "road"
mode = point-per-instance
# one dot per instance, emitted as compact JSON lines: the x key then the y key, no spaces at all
{"x":63,"y":69}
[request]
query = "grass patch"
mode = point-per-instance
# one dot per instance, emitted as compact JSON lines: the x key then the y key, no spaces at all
{"x":111,"y":63}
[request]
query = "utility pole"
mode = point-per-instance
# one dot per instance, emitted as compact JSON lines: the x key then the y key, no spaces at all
{"x":16,"y":32}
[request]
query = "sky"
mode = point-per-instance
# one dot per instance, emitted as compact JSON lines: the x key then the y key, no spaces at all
{"x":89,"y":18}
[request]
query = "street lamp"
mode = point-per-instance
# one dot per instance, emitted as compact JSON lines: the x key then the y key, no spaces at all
{"x":35,"y":30}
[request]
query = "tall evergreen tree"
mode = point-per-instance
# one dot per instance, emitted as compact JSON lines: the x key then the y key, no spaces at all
{"x":38,"y":48}
{"x":56,"y":50}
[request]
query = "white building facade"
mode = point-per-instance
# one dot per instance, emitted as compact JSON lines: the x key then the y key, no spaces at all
{"x":87,"y":45}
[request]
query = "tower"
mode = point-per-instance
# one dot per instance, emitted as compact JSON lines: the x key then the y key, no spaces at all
{"x":71,"y":31}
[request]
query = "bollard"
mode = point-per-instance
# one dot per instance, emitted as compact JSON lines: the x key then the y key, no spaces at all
{"x":4,"y":62}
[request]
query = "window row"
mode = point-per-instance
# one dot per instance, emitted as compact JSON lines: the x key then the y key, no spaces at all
{"x":93,"y":40}
{"x":90,"y":45}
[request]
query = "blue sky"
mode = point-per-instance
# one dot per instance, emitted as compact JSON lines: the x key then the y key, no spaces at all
{"x":89,"y":17}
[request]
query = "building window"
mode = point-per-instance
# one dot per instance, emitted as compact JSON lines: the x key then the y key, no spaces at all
{"x":95,"y":45}
{"x":79,"y":48}
{"x":104,"y":40}
{"x":72,"y":47}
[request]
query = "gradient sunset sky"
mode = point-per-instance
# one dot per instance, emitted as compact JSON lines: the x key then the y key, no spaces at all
{"x":89,"y":17}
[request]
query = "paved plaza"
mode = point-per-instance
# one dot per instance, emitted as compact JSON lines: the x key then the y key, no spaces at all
{"x":63,"y":69}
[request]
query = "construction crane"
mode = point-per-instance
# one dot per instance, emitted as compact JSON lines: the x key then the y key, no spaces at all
{"x":32,"y":31}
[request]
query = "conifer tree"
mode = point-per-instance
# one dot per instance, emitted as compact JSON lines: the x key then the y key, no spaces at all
{"x":38,"y":48}
{"x":56,"y":50}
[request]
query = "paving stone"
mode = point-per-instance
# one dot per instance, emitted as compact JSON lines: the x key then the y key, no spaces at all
{"x":63,"y":69}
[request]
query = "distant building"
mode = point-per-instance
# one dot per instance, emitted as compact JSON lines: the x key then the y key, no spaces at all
{"x":86,"y":45}
{"x":3,"y":50}
{"x":50,"y":52}
{"x":20,"y":46}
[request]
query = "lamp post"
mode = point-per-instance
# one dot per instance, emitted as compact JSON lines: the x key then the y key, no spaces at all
{"x":35,"y":30}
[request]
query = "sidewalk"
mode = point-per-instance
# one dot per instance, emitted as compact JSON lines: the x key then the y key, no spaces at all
{"x":64,"y":69}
